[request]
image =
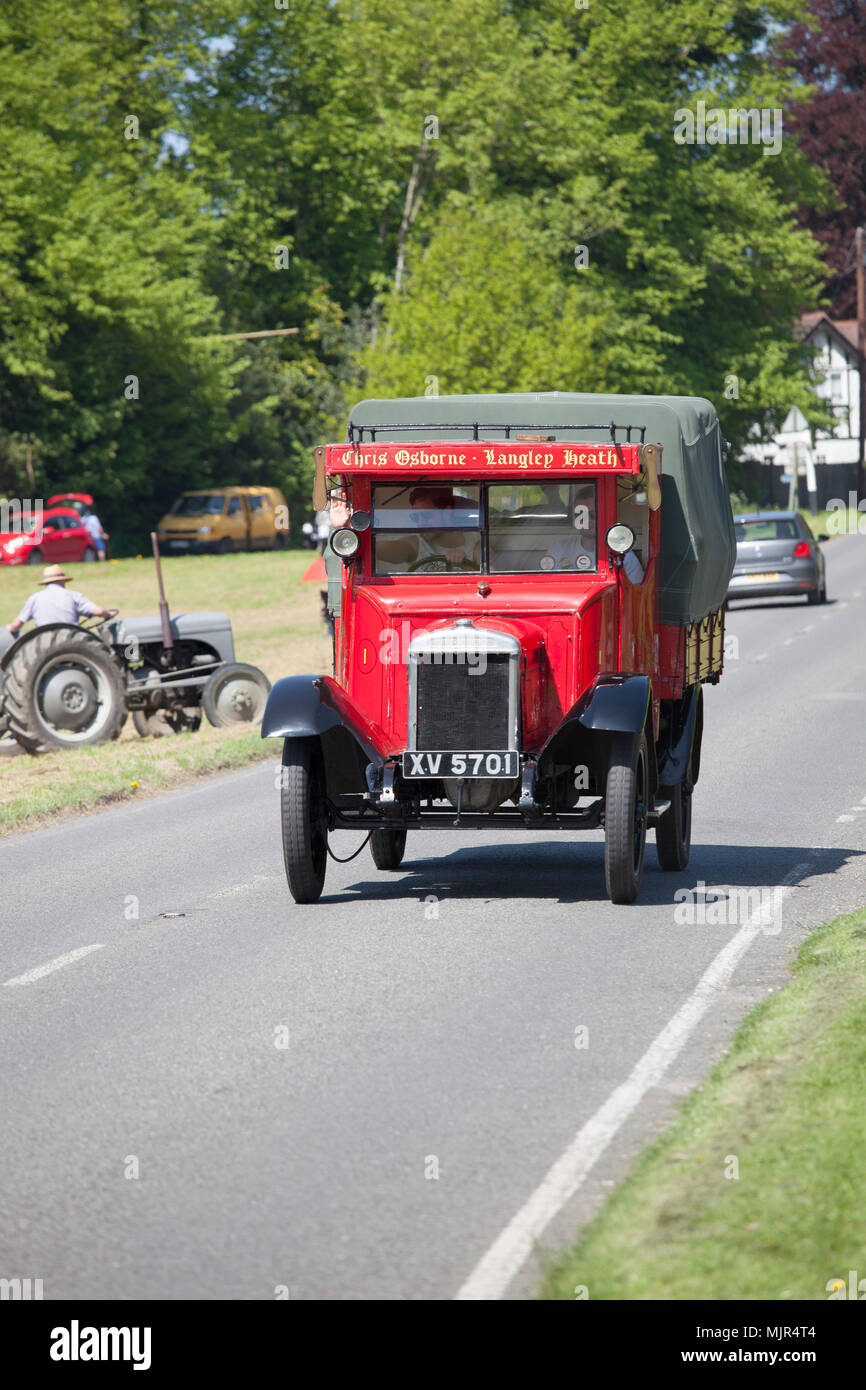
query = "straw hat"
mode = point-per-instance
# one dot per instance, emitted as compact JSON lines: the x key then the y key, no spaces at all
{"x":53,"y":574}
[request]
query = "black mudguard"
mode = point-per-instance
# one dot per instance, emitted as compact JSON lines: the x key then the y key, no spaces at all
{"x":611,"y":705}
{"x":681,"y":759}
{"x":301,"y":707}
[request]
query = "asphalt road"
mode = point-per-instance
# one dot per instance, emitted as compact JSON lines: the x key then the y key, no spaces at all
{"x":358,"y":1099}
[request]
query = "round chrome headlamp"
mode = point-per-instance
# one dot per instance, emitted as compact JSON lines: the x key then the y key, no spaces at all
{"x":620,"y":538}
{"x":345,"y":542}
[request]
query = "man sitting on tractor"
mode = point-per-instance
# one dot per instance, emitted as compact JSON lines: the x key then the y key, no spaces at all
{"x":55,"y":603}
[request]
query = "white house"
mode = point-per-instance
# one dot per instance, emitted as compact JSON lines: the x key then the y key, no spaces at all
{"x":836,"y":356}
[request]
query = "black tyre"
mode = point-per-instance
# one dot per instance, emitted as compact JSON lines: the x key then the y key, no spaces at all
{"x":235,"y":694}
{"x":35,"y":557}
{"x":674,"y":832}
{"x":625,"y":818}
{"x":387,"y":848}
{"x":89,"y":556}
{"x":224,"y":546}
{"x":63,"y":689}
{"x":818,"y":595}
{"x":304,"y":819}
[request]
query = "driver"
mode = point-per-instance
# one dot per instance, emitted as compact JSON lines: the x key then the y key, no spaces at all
{"x":55,"y":603}
{"x":459,"y":548}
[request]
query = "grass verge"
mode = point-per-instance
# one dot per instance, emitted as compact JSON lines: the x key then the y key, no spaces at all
{"x":785,"y":1109}
{"x":276,"y":625}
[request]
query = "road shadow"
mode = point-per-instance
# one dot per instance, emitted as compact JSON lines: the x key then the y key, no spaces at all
{"x":573,"y":872}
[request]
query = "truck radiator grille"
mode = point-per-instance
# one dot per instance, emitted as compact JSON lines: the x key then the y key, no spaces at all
{"x":462,"y":706}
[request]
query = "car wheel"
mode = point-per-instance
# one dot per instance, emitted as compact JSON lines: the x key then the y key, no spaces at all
{"x":224,"y":546}
{"x":674,"y":832}
{"x":388,"y":848}
{"x":89,"y":555}
{"x":35,"y":557}
{"x":625,"y":813}
{"x":304,"y":819}
{"x":235,"y":694}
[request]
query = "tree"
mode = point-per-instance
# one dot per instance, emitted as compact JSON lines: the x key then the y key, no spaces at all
{"x":696,"y":271}
{"x":829,"y":54}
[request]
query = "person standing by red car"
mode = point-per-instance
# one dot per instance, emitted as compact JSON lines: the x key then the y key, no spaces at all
{"x":96,"y":532}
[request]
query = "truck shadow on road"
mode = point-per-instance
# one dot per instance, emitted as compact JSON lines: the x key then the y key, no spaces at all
{"x":574,"y":873}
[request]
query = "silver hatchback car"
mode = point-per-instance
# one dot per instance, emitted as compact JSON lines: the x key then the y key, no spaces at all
{"x":777,"y":555}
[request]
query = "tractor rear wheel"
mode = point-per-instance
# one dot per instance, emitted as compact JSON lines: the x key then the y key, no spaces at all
{"x":304,"y":819}
{"x":63,"y":689}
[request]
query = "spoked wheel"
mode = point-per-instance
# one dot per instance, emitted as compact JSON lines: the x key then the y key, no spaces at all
{"x":63,"y":689}
{"x":625,"y":819}
{"x":674,"y":831}
{"x":235,"y":694}
{"x":304,"y":819}
{"x":388,"y":848}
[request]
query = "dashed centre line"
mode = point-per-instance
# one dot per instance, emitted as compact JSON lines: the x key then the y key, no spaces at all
{"x":40,"y":971}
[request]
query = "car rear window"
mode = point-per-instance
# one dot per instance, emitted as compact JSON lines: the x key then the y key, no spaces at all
{"x":769,"y":530}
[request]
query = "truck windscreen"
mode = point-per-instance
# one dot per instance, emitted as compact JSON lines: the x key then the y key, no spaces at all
{"x":500,"y":528}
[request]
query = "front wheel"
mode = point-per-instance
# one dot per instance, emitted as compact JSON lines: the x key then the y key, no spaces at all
{"x":35,"y":557}
{"x":304,"y":819}
{"x":235,"y":694}
{"x":674,"y":831}
{"x":388,"y":848}
{"x":625,"y":805}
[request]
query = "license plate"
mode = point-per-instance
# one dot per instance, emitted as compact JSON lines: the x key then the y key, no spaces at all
{"x":487,"y":764}
{"x":178,"y":545}
{"x":761,"y":578}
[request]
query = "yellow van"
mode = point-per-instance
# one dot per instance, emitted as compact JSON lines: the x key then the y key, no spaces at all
{"x":223,"y":519}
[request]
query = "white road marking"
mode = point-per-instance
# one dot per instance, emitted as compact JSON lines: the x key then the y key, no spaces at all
{"x":235,"y":888}
{"x":495,"y":1270}
{"x":842,"y":818}
{"x":50,"y":966}
{"x":762,"y":657}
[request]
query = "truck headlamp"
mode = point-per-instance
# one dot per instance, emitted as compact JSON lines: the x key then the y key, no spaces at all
{"x":620,"y":538}
{"x":205,"y":530}
{"x":345,"y":542}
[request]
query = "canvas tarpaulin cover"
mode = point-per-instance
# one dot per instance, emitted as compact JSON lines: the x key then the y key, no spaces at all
{"x":697,"y":529}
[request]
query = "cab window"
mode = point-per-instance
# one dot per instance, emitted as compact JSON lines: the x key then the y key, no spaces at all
{"x":234,"y":506}
{"x":542,"y":527}
{"x":426,"y":528}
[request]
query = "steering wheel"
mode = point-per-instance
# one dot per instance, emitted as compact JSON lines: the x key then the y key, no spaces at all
{"x":439,"y":564}
{"x":93,"y":624}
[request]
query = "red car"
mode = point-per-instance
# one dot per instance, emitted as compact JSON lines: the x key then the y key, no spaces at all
{"x":58,"y":536}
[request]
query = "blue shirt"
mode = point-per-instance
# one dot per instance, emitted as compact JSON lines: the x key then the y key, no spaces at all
{"x":55,"y":604}
{"x":94,"y":526}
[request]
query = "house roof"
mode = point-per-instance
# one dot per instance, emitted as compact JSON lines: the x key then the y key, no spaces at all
{"x":846,"y":329}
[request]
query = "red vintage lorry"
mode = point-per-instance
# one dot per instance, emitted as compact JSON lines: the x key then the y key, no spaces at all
{"x":531,"y":598}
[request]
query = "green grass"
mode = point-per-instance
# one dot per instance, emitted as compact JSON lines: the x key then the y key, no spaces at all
{"x":276,"y":624}
{"x":787,"y":1102}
